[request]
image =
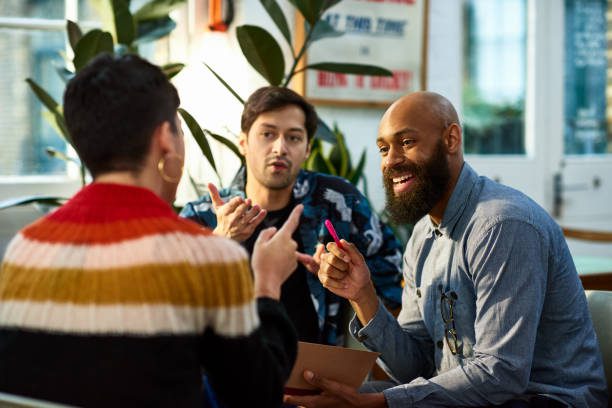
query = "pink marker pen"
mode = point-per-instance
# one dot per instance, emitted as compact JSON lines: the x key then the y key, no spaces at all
{"x":333,"y":233}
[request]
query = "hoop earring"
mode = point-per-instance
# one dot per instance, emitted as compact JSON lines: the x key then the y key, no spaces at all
{"x":161,"y":164}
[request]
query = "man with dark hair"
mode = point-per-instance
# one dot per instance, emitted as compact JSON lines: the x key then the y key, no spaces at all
{"x":493,"y":312}
{"x":277,"y":126}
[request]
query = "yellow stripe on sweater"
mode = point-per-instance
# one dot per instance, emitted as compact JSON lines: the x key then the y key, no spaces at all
{"x":210,"y":285}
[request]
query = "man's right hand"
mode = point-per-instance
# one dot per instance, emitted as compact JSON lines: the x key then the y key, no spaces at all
{"x":235,"y":219}
{"x":275,"y":256}
{"x":345,"y":273}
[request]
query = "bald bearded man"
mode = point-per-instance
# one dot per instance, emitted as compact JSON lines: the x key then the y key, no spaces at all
{"x":493,"y":311}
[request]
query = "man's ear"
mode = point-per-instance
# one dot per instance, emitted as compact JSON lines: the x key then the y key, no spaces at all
{"x":453,"y":138}
{"x":242,"y":142}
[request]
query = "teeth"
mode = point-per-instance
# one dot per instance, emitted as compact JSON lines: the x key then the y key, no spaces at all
{"x":401,"y":179}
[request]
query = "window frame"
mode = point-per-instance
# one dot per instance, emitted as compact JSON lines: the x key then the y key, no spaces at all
{"x":66,"y":184}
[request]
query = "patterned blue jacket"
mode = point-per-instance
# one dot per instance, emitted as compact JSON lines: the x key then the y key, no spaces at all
{"x":334,"y":198}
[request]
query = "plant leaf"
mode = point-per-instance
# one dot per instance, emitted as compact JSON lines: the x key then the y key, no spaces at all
{"x":53,"y":115}
{"x":278,"y":17}
{"x":324,"y":132}
{"x":317,"y":162}
{"x":151,"y":30}
{"x":74,"y":33}
{"x":225,"y":84}
{"x":56,"y":154}
{"x":93,"y":43}
{"x":339,"y":155}
{"x":310,"y":9}
{"x":228,"y":143}
{"x":262,"y":52}
{"x":323,"y":30}
{"x":172,"y":69}
{"x":56,"y":121}
{"x":327,"y":4}
{"x":349,"y":68}
{"x":200,"y":138}
{"x":43,"y":96}
{"x":125,"y":29}
{"x":357,"y":172}
{"x":156,"y":9}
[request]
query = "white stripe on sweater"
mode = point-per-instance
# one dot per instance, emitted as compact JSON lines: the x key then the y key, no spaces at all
{"x":134,"y":319}
{"x":165,"y":249}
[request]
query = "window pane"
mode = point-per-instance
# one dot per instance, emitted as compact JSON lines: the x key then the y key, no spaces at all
{"x":87,"y":12}
{"x":494,"y":76}
{"x":587,"y":127}
{"x":53,"y":9}
{"x":24,"y":134}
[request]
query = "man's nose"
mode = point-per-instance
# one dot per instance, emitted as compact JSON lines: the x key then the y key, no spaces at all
{"x":280,"y":145}
{"x":393,"y":158}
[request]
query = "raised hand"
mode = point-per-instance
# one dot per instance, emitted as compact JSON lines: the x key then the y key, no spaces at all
{"x":236,"y":219}
{"x":345,"y":273}
{"x":312,"y":262}
{"x":275,"y":256}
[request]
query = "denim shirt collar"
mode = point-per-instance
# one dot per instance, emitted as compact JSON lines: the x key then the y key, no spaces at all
{"x":456,"y":204}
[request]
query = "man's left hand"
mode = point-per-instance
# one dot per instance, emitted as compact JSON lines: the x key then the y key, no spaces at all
{"x":335,"y":395}
{"x":312,"y":262}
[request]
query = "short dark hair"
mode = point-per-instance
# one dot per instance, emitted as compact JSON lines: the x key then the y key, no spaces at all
{"x":112,"y":106}
{"x":271,"y":98}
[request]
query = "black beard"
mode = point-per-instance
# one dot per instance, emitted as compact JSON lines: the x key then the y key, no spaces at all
{"x":430,"y":181}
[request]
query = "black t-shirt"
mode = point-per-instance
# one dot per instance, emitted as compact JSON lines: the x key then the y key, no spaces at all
{"x":295,"y":294}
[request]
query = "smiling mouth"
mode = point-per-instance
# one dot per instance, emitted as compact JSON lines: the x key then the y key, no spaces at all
{"x":402,"y":183}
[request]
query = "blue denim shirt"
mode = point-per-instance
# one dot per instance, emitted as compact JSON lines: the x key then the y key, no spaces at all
{"x":520,"y":313}
{"x":334,"y":198}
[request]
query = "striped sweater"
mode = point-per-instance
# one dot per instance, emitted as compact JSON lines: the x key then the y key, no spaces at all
{"x":112,"y":300}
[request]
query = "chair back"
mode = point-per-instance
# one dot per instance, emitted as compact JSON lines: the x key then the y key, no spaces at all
{"x":17,"y":401}
{"x":595,"y":272}
{"x":600,"y":306}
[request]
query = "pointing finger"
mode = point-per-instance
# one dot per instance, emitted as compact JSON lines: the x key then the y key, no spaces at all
{"x":266,"y":235}
{"x":293,"y":221}
{"x":214,"y":195}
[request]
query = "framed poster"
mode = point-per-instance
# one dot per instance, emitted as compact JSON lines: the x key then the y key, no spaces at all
{"x":388,"y":33}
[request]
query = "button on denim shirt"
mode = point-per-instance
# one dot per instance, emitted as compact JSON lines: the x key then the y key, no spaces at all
{"x":519,"y":311}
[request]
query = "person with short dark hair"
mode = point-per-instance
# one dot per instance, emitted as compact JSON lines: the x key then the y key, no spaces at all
{"x":113,"y":300}
{"x":277,"y":126}
{"x":493,"y":311}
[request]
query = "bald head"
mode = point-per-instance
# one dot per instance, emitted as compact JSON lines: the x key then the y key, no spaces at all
{"x":428,"y":115}
{"x":432,"y":108}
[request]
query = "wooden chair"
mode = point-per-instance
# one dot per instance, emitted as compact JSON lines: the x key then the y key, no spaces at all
{"x":595,"y":272}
